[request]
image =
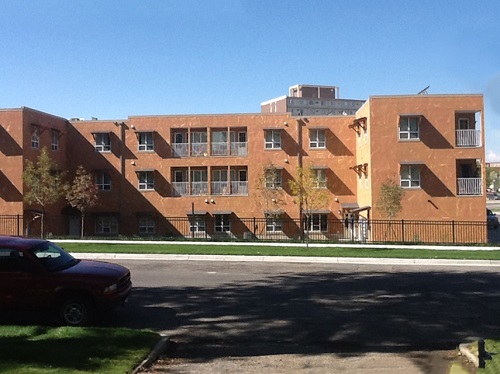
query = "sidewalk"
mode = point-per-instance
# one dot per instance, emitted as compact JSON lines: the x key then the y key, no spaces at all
{"x":291,"y":259}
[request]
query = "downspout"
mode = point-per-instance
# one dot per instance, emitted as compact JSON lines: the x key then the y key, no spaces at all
{"x":299,"y":161}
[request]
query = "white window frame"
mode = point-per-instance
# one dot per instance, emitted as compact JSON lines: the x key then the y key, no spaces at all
{"x":274,"y":223}
{"x":273,"y":178}
{"x":317,"y":138}
{"x":409,"y":176}
{"x":272,"y":139}
{"x":409,"y":128}
{"x":197,"y":223}
{"x":146,"y":180}
{"x":102,"y":142}
{"x":103,"y":181}
{"x":35,"y":137}
{"x":146,"y":141}
{"x":55,"y":140}
{"x":316,"y":222}
{"x":320,"y":175}
{"x":222,"y":223}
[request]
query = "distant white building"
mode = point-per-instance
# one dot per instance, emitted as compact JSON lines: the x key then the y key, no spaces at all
{"x":312,"y":100}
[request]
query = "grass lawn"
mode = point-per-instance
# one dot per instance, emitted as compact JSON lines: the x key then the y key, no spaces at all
{"x":37,"y":349}
{"x":249,"y":250}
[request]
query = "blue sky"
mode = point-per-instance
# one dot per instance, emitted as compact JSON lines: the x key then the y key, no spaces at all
{"x":111,"y":59}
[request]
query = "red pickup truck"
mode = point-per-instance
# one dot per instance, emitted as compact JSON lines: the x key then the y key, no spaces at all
{"x":37,"y":275}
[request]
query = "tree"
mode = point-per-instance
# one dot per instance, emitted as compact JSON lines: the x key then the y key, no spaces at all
{"x":391,"y":194}
{"x":308,"y":192}
{"x":270,"y":188}
{"x":44,"y":184}
{"x":82,"y":194}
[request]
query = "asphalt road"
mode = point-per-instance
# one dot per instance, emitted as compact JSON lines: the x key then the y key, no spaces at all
{"x":212,"y":310}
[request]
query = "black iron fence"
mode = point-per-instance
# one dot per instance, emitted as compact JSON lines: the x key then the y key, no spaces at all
{"x":332,"y":230}
{"x":11,"y":225}
{"x":283,"y":229}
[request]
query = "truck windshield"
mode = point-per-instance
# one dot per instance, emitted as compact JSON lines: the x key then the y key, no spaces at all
{"x":52,"y":257}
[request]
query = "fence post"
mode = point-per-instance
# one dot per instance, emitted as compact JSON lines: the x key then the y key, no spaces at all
{"x":453,"y":230}
{"x":254,"y":227}
{"x":18,"y":224}
{"x":403,"y":230}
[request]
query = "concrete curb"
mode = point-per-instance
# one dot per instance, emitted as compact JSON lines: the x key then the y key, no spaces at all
{"x":159,"y":348}
{"x":464,"y":350}
{"x":288,"y":259}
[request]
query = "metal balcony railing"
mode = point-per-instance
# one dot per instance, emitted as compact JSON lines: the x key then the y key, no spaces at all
{"x":219,"y":149}
{"x":239,"y":188}
{"x":468,"y":138}
{"x":239,"y":149}
{"x":469,"y":186}
{"x":180,"y":188}
{"x":180,"y":149}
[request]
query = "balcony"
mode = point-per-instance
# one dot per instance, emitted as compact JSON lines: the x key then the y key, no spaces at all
{"x":468,"y":138}
{"x":219,"y":149}
{"x":239,"y":149}
{"x":239,"y":188}
{"x":199,"y":149}
{"x":180,"y":149}
{"x":469,"y":186}
{"x":199,"y":188}
{"x":220,"y":188}
{"x":180,"y":188}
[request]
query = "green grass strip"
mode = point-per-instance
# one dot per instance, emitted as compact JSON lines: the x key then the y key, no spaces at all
{"x":247,"y":250}
{"x":58,"y":350}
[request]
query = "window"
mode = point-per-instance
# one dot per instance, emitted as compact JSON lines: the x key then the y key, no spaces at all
{"x":103,"y":181}
{"x":317,"y":138}
{"x":55,"y":140}
{"x":273,"y":178}
{"x":106,"y":225}
{"x":320,"y":175}
{"x":219,"y":143}
{"x":410,"y":176}
{"x":146,"y":142}
{"x":273,"y":139}
{"x":316,"y":222}
{"x":222,"y":223}
{"x":146,"y":225}
{"x":146,"y":180}
{"x":35,"y":137}
{"x":102,"y":142}
{"x":220,"y":185}
{"x":409,"y":128}
{"x":199,"y":182}
{"x":198,"y":143}
{"x":180,"y":144}
{"x":197,"y":223}
{"x":274,"y":222}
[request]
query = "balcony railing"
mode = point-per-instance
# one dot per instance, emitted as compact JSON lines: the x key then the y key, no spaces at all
{"x":199,"y":188}
{"x":199,"y":149}
{"x":219,"y":149}
{"x":239,"y":149}
{"x":220,"y":188}
{"x":468,"y":138}
{"x":239,"y":188}
{"x":470,"y":186}
{"x":180,"y":188}
{"x":180,"y":149}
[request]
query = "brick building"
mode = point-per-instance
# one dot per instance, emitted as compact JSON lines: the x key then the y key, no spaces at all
{"x":155,"y":172}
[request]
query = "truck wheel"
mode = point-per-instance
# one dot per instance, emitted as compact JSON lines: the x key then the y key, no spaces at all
{"x":74,"y":311}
